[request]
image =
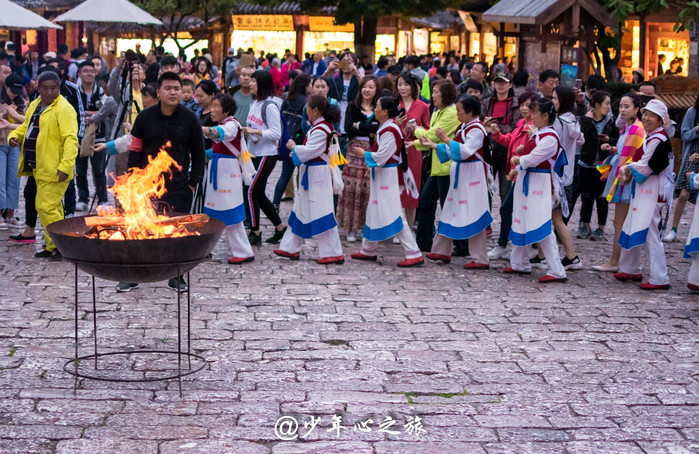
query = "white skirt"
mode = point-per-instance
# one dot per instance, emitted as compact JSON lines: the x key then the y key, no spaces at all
{"x":644,"y":199}
{"x":531,"y":214}
{"x":384,"y":213}
{"x":224,"y":195}
{"x":466,"y":212}
{"x":314,"y":211}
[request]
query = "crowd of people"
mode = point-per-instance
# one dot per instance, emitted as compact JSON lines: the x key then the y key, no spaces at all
{"x":375,"y":148}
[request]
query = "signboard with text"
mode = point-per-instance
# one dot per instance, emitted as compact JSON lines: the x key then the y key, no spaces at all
{"x":264,"y":22}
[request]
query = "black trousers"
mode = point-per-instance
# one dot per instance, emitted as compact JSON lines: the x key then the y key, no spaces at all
{"x":30,"y":202}
{"x":257,"y":199}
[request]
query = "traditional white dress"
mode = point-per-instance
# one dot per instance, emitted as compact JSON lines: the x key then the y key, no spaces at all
{"x":224,"y":197}
{"x":531,"y":214}
{"x":691,"y":249}
{"x":313,"y":214}
{"x":384,"y":214}
{"x":647,"y":198}
{"x":466,"y":212}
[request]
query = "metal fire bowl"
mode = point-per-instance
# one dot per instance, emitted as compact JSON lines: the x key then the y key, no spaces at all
{"x":134,"y":260}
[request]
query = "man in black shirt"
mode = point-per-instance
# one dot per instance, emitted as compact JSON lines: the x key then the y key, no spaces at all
{"x":156,"y":125}
{"x":169,"y":121}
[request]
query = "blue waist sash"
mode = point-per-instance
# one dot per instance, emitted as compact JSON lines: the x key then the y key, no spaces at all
{"x":525,"y":181}
{"x":213,"y":175}
{"x":392,"y":164}
{"x":458,"y":168}
{"x":304,"y":177}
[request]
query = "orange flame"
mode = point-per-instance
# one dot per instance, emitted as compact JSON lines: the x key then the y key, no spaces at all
{"x":135,"y":192}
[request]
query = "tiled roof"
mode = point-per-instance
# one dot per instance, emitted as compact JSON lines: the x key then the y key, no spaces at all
{"x":282,"y":8}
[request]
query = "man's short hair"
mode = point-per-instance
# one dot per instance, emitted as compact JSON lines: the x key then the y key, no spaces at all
{"x":62,"y":49}
{"x":168,"y":60}
{"x":61,"y":64}
{"x":412,"y":60}
{"x":596,"y":82}
{"x":168,"y":76}
{"x":86,"y":63}
{"x":548,"y":74}
{"x":649,"y":83}
{"x":48,"y":76}
{"x":382,"y":63}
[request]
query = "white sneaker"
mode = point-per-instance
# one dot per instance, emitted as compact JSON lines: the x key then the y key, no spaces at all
{"x":497,"y":253}
{"x":395,"y":240}
{"x":351,"y":237}
{"x":670,"y":237}
{"x":3,"y":225}
{"x":81,"y":206}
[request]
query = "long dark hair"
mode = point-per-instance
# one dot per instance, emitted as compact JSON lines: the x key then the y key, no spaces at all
{"x":298,"y":86}
{"x":265,"y":85}
{"x":566,"y":99}
{"x":328,"y":112}
{"x":410,"y":80}
{"x":365,"y":80}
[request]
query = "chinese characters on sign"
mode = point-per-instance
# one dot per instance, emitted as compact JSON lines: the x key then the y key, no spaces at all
{"x":287,"y":427}
{"x":263,"y":22}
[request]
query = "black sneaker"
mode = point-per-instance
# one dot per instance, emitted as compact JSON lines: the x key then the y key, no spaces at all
{"x":178,"y":284}
{"x":277,"y":237}
{"x":255,"y":240}
{"x":123,"y":287}
{"x":43,"y":254}
{"x":538,"y":262}
{"x":571,"y":264}
{"x":56,"y":255}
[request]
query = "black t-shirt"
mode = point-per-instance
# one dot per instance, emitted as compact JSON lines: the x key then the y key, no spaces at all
{"x":152,"y":130}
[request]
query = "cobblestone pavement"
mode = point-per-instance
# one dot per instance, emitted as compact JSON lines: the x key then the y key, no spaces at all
{"x":489,"y":363}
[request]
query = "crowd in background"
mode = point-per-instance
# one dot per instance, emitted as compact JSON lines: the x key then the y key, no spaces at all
{"x":268,"y":95}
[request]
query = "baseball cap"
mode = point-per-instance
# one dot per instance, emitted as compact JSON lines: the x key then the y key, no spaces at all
{"x":15,"y":83}
{"x":49,"y":55}
{"x":502,"y":76}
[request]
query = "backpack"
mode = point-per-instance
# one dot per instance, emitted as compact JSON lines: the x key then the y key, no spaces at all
{"x":283,"y":152}
{"x":293,"y":121}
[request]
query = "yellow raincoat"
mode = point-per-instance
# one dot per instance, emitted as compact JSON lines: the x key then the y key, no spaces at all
{"x":56,"y":149}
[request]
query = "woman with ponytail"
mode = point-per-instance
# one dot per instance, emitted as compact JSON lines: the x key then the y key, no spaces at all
{"x":384,"y":215}
{"x":313,"y":214}
{"x":466,"y":213}
{"x":533,"y":200}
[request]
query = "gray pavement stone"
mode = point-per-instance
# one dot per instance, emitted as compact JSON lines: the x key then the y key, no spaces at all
{"x":490,"y":363}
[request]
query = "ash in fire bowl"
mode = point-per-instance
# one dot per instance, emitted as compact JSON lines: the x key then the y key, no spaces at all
{"x":134,"y":243}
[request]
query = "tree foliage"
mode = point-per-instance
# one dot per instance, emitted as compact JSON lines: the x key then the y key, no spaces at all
{"x":176,"y":13}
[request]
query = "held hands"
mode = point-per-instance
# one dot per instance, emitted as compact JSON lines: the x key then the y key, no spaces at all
{"x":99,"y":147}
{"x":13,"y":142}
{"x":358,"y":152}
{"x":624,"y":175}
{"x":290,"y":144}
{"x":441,"y":135}
{"x":252,"y":131}
{"x":426,"y":142}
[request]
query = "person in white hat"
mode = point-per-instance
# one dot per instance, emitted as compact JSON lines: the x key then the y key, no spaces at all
{"x":650,"y":176}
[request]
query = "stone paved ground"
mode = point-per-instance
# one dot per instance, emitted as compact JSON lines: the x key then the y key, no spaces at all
{"x":490,"y":363}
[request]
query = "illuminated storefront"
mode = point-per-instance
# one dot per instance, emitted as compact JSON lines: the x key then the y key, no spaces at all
{"x":145,"y":44}
{"x":660,"y":39}
{"x":264,"y":32}
{"x":421,"y":39}
{"x":324,"y":34}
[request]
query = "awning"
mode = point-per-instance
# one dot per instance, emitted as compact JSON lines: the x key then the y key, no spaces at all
{"x":17,"y":18}
{"x":539,"y":12}
{"x":108,"y":11}
{"x":674,"y":101}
